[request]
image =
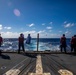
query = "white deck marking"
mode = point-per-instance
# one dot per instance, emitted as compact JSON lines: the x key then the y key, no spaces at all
{"x":65,"y":72}
{"x":39,"y":69}
{"x":14,"y":70}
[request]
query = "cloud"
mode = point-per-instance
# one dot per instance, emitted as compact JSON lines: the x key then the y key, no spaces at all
{"x":7,"y":28}
{"x":48,"y":27}
{"x":52,"y":35}
{"x":10,"y":34}
{"x":1,"y":27}
{"x":41,"y":31}
{"x":65,"y":22}
{"x":17,"y":34}
{"x":50,"y":30}
{"x":30,"y":25}
{"x":33,"y":34}
{"x":16,"y":12}
{"x":30,"y":32}
{"x":51,"y":23}
{"x":60,"y":31}
{"x":69,"y":25}
{"x":67,"y":32}
{"x":42,"y":34}
{"x":43,"y":24}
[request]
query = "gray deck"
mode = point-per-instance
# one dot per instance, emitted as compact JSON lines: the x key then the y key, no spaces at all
{"x":26,"y":63}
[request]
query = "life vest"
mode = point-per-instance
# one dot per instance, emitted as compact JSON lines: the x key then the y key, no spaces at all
{"x":21,"y":39}
{"x":75,"y":41}
{"x":63,"y":40}
{"x":72,"y":40}
{"x":1,"y":39}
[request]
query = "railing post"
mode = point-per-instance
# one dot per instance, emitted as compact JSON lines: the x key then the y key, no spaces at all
{"x":37,"y":41}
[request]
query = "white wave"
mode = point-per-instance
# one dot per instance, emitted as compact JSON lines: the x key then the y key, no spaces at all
{"x":13,"y":46}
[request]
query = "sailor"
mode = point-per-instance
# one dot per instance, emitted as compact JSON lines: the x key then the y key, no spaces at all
{"x":63,"y":43}
{"x":28,"y":39}
{"x":1,"y":41}
{"x":21,"y":43}
{"x":74,"y":43}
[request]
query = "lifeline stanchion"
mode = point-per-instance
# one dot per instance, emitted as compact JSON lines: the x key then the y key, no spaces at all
{"x":37,"y":41}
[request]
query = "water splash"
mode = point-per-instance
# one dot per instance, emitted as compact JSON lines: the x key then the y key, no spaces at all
{"x":13,"y":46}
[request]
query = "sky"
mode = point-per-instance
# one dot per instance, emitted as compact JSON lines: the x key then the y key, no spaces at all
{"x":49,"y":18}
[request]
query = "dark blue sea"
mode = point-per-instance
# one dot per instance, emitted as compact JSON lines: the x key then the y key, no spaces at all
{"x":53,"y":44}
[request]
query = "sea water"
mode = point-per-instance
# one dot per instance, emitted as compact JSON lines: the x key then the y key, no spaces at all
{"x":53,"y":44}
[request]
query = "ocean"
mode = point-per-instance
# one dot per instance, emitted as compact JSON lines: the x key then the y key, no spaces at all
{"x":53,"y":44}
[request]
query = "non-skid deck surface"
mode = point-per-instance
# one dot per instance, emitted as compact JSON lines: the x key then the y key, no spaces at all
{"x":37,"y":64}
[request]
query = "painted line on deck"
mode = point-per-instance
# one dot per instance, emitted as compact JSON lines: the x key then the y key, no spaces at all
{"x":39,"y":69}
{"x":65,"y":72}
{"x":14,"y":70}
{"x":27,"y":70}
{"x":20,"y":63}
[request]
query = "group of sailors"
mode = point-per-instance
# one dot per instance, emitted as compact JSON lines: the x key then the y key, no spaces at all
{"x":63,"y":44}
{"x":20,"y":42}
